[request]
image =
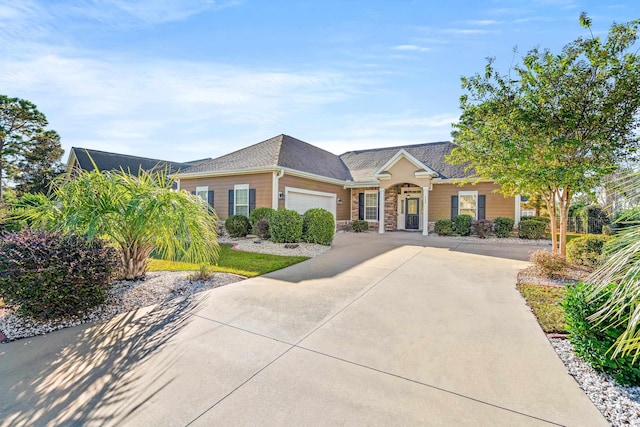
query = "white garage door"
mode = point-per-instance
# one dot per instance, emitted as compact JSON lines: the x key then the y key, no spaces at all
{"x":301,"y":200}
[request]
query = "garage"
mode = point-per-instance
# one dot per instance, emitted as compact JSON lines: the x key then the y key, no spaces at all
{"x":301,"y":200}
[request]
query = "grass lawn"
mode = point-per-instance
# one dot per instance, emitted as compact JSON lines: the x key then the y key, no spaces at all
{"x":246,"y":264}
{"x":545,"y":304}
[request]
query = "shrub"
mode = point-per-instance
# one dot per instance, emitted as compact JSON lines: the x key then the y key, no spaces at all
{"x":360,"y":225}
{"x":318,"y":226}
{"x":549,"y":263}
{"x":258,"y":214}
{"x":462,"y":225}
{"x":237,"y":225}
{"x":625,"y":218}
{"x":482,"y":228}
{"x":531,"y":229}
{"x":50,"y":275}
{"x":286,"y":226}
{"x":544,"y":219}
{"x":261,"y":228}
{"x":607,"y":230}
{"x":503,"y":226}
{"x":593,"y":341}
{"x":586,"y":250}
{"x":443,"y":227}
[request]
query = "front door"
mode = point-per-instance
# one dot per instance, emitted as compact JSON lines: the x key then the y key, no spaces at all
{"x":412,"y":214}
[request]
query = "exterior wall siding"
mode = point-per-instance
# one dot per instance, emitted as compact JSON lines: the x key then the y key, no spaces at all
{"x":373,"y":225}
{"x":497,"y":204}
{"x":342,"y":210}
{"x":221,"y":185}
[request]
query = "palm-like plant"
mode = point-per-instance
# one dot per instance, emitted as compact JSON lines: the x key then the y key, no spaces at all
{"x":622,"y":269}
{"x":139,"y":214}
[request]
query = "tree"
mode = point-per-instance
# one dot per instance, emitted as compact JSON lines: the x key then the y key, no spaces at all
{"x":138,"y":214}
{"x":39,"y":165}
{"x":562,"y":123}
{"x":21,"y":132}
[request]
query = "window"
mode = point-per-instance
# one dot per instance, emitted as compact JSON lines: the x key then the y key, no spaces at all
{"x":241,"y":202}
{"x":468,"y":203}
{"x":371,"y":206}
{"x":203,"y":193}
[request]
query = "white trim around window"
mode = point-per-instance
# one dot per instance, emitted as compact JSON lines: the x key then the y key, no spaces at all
{"x":241,"y":199}
{"x":468,"y":203}
{"x":203,"y":193}
{"x":371,"y":205}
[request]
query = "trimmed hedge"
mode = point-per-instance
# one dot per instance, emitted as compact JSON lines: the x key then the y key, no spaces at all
{"x":318,"y":226}
{"x":286,"y":226}
{"x":462,"y":225}
{"x":482,"y":228}
{"x":586,"y":250}
{"x":259,"y":213}
{"x":49,"y":275}
{"x":503,"y":226}
{"x":544,"y":219}
{"x":593,"y":341}
{"x":360,"y":225}
{"x":443,"y":227}
{"x":532,"y":229}
{"x":237,"y":225}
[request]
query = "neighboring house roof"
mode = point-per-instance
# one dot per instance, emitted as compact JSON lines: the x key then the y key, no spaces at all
{"x":363,"y":164}
{"x":280,"y":151}
{"x":114,"y":161}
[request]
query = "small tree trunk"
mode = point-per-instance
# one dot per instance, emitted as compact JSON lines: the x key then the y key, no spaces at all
{"x":134,"y":262}
{"x":550,"y":200}
{"x":564,"y":218}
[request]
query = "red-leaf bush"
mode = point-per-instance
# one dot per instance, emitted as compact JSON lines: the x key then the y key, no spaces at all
{"x":48,"y":275}
{"x":482,"y":228}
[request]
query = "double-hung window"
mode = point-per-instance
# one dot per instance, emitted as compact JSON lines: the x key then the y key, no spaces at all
{"x":241,"y":202}
{"x":203,"y":193}
{"x":371,"y":206}
{"x":468,"y":203}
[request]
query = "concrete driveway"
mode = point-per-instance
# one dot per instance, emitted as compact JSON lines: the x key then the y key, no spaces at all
{"x":381,"y":330}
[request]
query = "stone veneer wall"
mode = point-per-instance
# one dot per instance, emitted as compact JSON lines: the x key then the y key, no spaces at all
{"x":391,"y":208}
{"x":373,"y":225}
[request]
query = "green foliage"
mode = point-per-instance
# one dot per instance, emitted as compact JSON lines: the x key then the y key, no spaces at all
{"x":521,"y":129}
{"x":607,"y":230}
{"x":286,"y":226}
{"x":48,"y":275}
{"x":531,"y":229}
{"x":503,"y":226}
{"x":237,"y":225}
{"x":545,"y":219}
{"x":550,"y":264}
{"x":594,"y":341}
{"x":545,"y":304}
{"x":138,"y":214}
{"x":443,"y":227}
{"x":259,"y":213}
{"x":586,"y":250}
{"x":318,"y":226}
{"x":360,"y":225}
{"x":625,"y":217}
{"x":462,"y":225}
{"x":28,"y":152}
{"x":482,"y":228}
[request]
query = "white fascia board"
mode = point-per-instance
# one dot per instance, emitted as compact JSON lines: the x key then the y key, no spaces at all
{"x":363,"y":184}
{"x":403,"y":153}
{"x":457,"y":180}
{"x":183,"y":175}
{"x":313,"y":176}
{"x":71,"y":161}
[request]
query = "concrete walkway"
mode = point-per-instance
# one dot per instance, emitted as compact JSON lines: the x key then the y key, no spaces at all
{"x":381,"y":330}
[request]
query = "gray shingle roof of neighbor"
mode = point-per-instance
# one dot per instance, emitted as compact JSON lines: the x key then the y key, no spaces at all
{"x":279,"y":151}
{"x":114,"y":161}
{"x":364,"y":163}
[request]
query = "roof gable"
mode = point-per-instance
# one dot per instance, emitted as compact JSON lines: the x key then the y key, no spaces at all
{"x":403,"y":154}
{"x":86,"y":158}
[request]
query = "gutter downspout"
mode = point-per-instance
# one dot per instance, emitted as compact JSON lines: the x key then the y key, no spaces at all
{"x":275,"y":188}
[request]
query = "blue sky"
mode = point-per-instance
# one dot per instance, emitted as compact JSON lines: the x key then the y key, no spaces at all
{"x":187,"y":79}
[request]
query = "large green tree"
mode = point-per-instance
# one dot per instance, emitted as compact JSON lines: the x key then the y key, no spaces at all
{"x":39,"y":164}
{"x":556,"y":123}
{"x":23,"y":134}
{"x":138,"y":214}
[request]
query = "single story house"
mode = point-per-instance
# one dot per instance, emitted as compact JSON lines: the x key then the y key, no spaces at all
{"x":394,"y":188}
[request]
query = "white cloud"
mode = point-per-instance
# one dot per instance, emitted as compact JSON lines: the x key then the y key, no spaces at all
{"x":411,"y":48}
{"x":482,"y":22}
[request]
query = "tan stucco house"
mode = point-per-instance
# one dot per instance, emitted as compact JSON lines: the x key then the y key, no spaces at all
{"x":394,"y":188}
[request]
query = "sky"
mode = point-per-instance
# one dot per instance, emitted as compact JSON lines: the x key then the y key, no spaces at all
{"x":189,"y":79}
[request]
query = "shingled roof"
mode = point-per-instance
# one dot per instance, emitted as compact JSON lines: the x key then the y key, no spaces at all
{"x":279,"y":151}
{"x":114,"y":161}
{"x":364,"y":163}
